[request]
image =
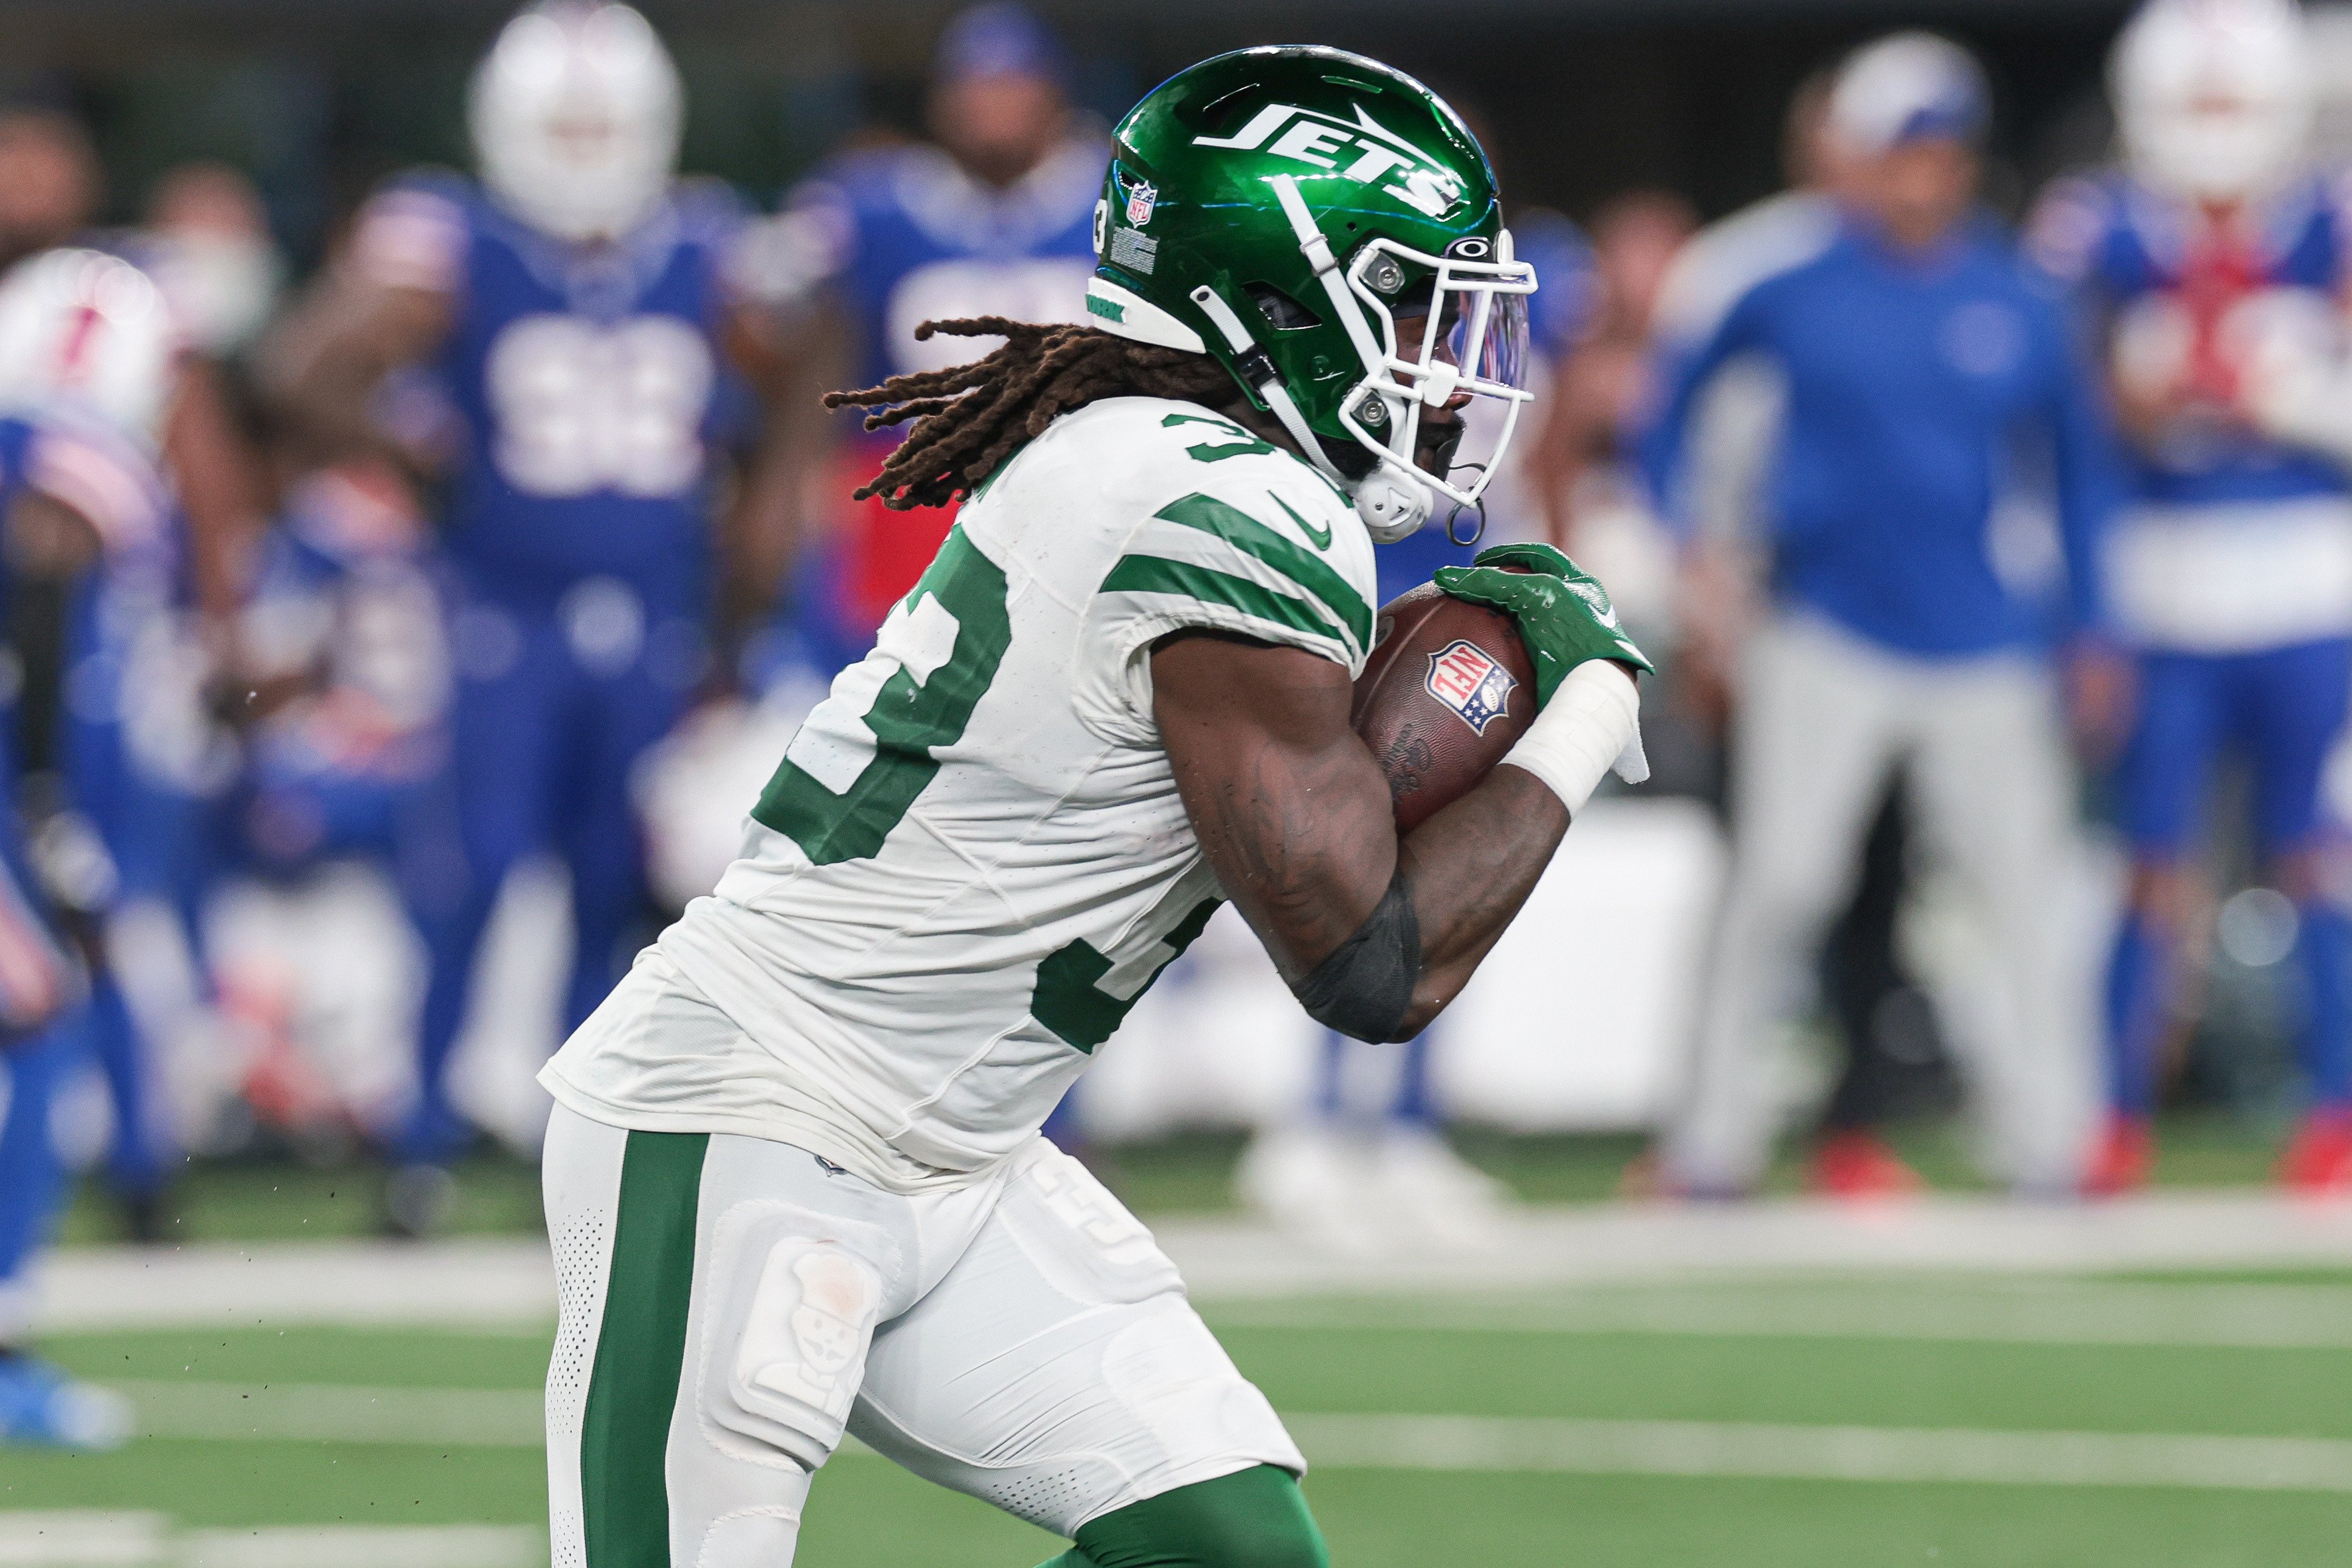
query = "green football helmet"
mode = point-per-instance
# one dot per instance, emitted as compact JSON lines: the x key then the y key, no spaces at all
{"x":1283,"y":209}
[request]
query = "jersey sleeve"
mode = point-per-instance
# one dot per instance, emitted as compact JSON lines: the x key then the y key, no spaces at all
{"x":1271,"y":555}
{"x":412,"y":234}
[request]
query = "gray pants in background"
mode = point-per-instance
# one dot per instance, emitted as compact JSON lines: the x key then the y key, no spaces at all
{"x":1824,"y":717}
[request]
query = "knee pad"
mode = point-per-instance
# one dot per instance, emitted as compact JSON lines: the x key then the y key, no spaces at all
{"x":783,"y":1348}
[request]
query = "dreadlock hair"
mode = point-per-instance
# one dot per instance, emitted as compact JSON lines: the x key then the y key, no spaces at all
{"x":970,"y":418}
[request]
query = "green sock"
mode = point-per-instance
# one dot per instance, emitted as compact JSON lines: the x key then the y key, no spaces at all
{"x":1252,"y":1519}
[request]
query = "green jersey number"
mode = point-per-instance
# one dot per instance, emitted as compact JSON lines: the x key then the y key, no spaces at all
{"x":1244,"y":445}
{"x":911,"y":715}
{"x":1070,"y":999}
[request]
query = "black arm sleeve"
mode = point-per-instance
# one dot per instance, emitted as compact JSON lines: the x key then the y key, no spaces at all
{"x":1364,"y":989}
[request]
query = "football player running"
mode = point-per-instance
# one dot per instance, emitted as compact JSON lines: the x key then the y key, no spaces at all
{"x":580,"y":306}
{"x":2215,"y":265}
{"x":794,"y":1182}
{"x":87,"y":386}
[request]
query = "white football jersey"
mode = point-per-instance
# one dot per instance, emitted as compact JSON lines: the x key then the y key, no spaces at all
{"x":973,"y":858}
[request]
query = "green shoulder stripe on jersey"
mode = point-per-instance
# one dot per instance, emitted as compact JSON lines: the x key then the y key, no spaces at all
{"x":1069,"y":999}
{"x":625,"y":1431}
{"x":1155,"y":575}
{"x":1310,"y":571}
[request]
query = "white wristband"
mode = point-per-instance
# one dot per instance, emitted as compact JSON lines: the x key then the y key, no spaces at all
{"x":1592,"y":723}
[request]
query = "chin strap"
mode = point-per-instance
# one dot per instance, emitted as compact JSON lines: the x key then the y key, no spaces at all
{"x":1391,"y":508}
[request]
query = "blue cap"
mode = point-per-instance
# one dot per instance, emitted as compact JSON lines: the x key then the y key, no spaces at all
{"x":1000,"y":38}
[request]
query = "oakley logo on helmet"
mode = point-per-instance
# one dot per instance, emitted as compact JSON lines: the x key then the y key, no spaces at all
{"x":1372,"y":152}
{"x":1471,"y":249}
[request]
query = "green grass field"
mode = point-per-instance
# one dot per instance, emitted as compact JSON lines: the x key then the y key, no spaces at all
{"x":1702,"y":1425}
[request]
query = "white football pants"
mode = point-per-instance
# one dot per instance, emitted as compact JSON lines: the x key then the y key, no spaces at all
{"x":730,"y":1305}
{"x":1823,"y":716}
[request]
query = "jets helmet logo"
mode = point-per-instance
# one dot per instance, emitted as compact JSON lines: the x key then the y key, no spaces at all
{"x":1370,"y":151}
{"x":1141,"y":196}
{"x":1464,"y":677}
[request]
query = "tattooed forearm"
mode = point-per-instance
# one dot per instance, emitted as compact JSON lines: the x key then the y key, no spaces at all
{"x":1294,"y":815}
{"x":1475,"y":863}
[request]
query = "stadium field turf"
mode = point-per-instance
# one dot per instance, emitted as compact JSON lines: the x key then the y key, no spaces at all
{"x":2160,"y":1421}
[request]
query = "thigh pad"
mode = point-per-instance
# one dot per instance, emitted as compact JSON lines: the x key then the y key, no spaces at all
{"x":795,"y":1301}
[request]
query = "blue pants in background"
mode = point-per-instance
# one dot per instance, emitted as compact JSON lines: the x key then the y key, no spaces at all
{"x":554,"y":705}
{"x":2282,"y":711}
{"x":32,"y":1179}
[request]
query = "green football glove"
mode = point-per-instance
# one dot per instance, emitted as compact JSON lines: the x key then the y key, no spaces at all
{"x":1564,"y":617}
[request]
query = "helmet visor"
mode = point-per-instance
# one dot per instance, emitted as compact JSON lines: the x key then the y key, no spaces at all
{"x":1445,"y":396}
{"x":1497,"y":358}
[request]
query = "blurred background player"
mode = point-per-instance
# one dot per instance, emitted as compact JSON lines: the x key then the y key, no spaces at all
{"x":142,"y":752}
{"x":1363,"y":1162}
{"x":1914,"y":352}
{"x":994,"y":217}
{"x":579,"y":309}
{"x":2213,"y":268}
{"x":86,"y":375}
{"x":1893,"y":1055}
{"x":118,"y":755}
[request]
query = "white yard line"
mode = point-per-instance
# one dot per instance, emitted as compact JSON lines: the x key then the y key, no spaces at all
{"x":93,"y":1538}
{"x":357,"y":1546}
{"x":2241,"y":1317}
{"x":1637,"y":1243}
{"x":487,"y":1283}
{"x":1822,"y":1453}
{"x":510,"y":1418}
{"x":82,"y":1537}
{"x":508,"y":1283}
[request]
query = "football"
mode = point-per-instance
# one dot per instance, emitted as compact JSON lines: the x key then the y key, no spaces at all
{"x":1448,"y":688}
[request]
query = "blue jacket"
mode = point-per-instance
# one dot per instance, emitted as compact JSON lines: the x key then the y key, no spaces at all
{"x":1914,"y":385}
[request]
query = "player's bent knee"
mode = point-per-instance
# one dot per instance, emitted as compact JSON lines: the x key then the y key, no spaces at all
{"x":1255,"y":1518}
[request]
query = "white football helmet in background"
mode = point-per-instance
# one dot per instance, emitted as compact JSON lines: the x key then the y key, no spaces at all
{"x":575,"y":114}
{"x":84,"y":337}
{"x":2214,"y":97}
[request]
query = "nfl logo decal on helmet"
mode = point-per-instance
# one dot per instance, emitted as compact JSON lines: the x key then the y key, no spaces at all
{"x":1466,"y":679}
{"x":1140,"y":195}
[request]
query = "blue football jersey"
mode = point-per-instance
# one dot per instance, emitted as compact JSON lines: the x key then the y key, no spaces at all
{"x":588,"y":382}
{"x":902,"y":236}
{"x":16,"y":440}
{"x":2156,"y":286}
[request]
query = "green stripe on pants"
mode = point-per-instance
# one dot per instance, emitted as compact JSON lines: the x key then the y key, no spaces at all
{"x":625,"y":1432}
